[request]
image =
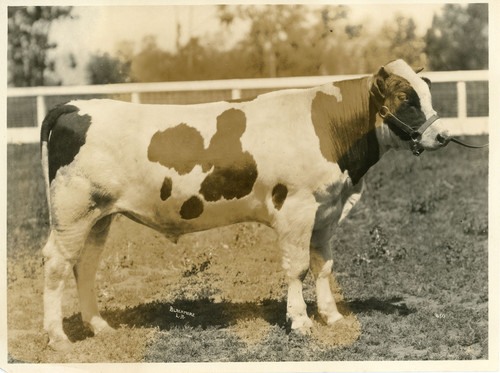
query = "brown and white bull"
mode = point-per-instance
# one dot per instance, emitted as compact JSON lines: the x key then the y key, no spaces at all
{"x":292,"y":159}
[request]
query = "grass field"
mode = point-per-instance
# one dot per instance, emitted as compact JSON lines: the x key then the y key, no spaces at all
{"x":411,"y":270}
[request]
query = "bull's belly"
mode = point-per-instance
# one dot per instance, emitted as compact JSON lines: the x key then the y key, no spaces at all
{"x":176,"y":217}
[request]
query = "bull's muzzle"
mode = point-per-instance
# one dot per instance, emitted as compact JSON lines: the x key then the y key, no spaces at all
{"x":443,"y":139}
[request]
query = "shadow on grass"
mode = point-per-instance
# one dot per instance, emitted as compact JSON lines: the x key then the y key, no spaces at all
{"x":205,"y":313}
{"x":202,"y":313}
{"x":389,"y":306}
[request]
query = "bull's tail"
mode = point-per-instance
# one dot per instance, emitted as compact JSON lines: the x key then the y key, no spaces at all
{"x":47,"y":126}
{"x":45,"y":168}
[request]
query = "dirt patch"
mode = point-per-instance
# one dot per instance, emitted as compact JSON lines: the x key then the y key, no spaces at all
{"x":228,"y":279}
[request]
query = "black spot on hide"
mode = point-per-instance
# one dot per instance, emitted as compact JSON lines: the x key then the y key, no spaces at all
{"x":279,"y":194}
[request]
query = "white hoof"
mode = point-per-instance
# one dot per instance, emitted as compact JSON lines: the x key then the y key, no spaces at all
{"x":98,"y":325}
{"x":60,"y":344}
{"x":302,"y":325}
{"x":333,"y":318}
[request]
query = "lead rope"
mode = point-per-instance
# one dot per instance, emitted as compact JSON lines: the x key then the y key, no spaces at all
{"x":467,"y":145}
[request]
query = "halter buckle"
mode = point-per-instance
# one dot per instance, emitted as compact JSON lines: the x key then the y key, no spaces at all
{"x":384,"y":112}
{"x":415,"y":136}
{"x":416,"y":149}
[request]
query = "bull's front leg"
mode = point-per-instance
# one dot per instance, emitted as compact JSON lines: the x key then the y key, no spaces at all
{"x":293,"y":223}
{"x":327,"y":218}
{"x":321,"y":267}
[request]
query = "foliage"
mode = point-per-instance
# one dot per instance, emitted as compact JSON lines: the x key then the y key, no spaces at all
{"x":106,"y":69}
{"x":458,"y":40}
{"x":294,"y":40}
{"x":193,"y":61}
{"x":151,"y":63}
{"x":283,"y":40}
{"x":28,"y":44}
{"x":276,"y":41}
{"x":401,"y":41}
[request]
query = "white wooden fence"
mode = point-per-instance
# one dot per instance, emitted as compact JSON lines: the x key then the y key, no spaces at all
{"x":461,"y":124}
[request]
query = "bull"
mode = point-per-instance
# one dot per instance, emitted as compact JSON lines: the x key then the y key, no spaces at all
{"x":293,"y":160}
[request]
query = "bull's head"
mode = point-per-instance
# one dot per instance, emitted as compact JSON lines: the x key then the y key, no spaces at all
{"x":404,"y":102}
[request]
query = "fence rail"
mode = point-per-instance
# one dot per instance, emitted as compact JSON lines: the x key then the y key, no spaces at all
{"x":463,"y":98}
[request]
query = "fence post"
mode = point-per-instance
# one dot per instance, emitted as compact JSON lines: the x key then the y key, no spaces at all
{"x":41,"y":110}
{"x":135,"y":98}
{"x":462,"y":100}
{"x":235,"y":94}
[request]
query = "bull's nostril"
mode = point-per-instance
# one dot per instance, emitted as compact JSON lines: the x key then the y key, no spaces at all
{"x":441,"y":139}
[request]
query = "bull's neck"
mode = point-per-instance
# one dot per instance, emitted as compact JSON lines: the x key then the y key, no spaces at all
{"x":345,"y":126}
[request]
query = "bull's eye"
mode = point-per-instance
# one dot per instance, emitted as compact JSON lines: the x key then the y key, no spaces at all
{"x":402,"y":97}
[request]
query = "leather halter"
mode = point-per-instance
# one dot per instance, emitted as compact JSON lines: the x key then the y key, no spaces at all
{"x":415,"y":134}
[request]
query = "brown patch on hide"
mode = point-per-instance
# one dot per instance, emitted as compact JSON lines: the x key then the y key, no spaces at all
{"x":346,"y":128}
{"x":233,"y":171}
{"x":180,"y":147}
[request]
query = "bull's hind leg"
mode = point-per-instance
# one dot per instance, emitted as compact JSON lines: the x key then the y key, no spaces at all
{"x":56,"y":272}
{"x":60,"y":254}
{"x":74,"y":212}
{"x":321,"y":267}
{"x":85,"y":271}
{"x":293,"y":224}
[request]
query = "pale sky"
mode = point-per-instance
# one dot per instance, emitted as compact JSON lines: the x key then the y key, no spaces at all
{"x":102,"y":28}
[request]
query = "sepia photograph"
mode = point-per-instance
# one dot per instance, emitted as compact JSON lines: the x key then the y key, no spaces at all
{"x":259,"y":186}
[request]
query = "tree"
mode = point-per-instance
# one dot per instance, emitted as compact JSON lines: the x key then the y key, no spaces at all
{"x":396,"y":39}
{"x":273,"y":34}
{"x":458,"y":39}
{"x":105,"y":69}
{"x":152,"y":64}
{"x":282,"y":40}
{"x":28,"y":44}
{"x":337,"y":41}
{"x":288,"y":40}
{"x":405,"y":43}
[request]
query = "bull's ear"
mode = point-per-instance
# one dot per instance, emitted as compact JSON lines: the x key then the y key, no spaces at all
{"x":427,"y":81}
{"x":418,"y":70}
{"x":379,"y":86}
